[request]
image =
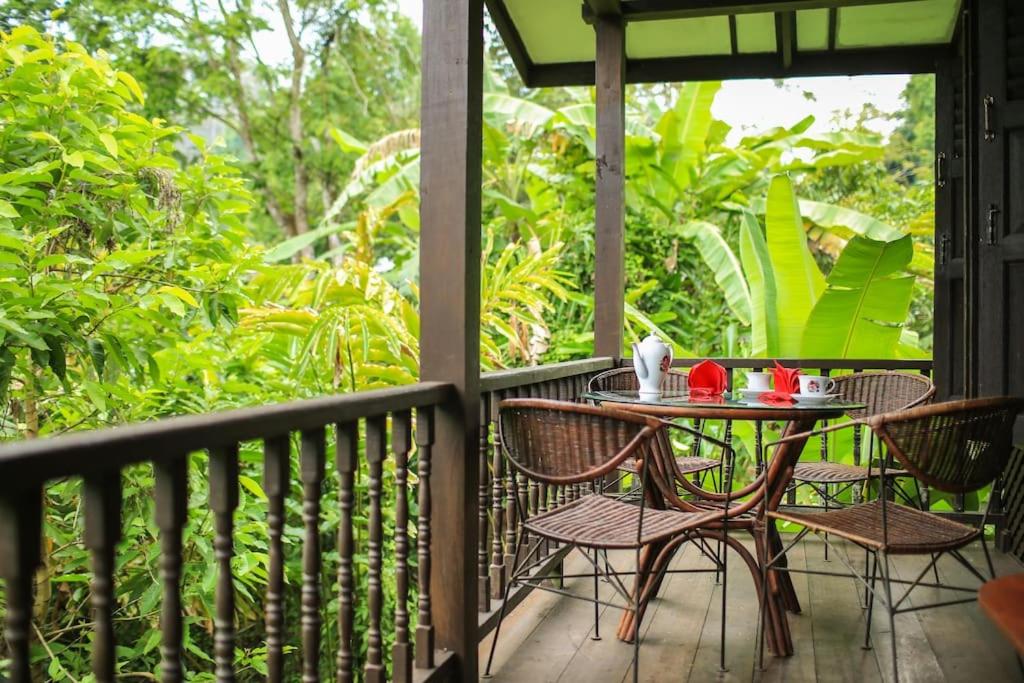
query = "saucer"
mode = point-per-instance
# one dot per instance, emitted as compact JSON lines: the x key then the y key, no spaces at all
{"x":814,"y":400}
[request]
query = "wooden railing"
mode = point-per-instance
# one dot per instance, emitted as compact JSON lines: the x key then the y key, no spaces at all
{"x":497,"y":490}
{"x":99,"y":459}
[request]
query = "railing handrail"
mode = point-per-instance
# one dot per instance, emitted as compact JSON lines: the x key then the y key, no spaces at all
{"x":855,"y":364}
{"x":103,"y":449}
{"x":516,"y":377}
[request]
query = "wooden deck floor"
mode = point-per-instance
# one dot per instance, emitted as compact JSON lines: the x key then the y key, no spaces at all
{"x":548,"y":638}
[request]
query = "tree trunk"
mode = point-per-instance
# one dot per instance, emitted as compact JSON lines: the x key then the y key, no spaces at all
{"x":301,"y":175}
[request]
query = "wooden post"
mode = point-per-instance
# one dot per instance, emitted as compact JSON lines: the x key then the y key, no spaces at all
{"x":450,"y":306}
{"x":609,"y":262}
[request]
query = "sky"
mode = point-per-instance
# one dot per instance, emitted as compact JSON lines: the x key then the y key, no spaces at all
{"x":752,"y":105}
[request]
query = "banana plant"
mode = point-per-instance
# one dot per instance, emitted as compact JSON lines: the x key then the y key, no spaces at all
{"x":858,"y":311}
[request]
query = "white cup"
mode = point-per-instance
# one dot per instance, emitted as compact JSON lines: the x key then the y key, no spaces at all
{"x":759,"y":381}
{"x":816,"y":385}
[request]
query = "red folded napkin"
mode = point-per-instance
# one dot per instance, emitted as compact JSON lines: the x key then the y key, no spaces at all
{"x":776,"y":398}
{"x":786,"y":381}
{"x":707,"y":380}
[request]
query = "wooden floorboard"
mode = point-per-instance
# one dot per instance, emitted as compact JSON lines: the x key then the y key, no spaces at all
{"x":548,"y":637}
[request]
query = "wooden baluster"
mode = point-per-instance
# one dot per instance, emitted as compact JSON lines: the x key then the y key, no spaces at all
{"x":497,"y":504}
{"x":513,"y":498}
{"x":345,"y":461}
{"x":276,"y":479}
{"x":376,"y":443}
{"x":401,"y":443}
{"x":424,"y":625}
{"x":483,"y":491}
{"x":20,"y":552}
{"x":102,"y":501}
{"x":171,"y":494}
{"x":223,"y":502}
{"x":311,"y":472}
{"x":759,"y":447}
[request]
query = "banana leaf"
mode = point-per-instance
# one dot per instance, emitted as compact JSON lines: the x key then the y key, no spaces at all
{"x":861,"y":313}
{"x":764,"y":321}
{"x":719,"y":257}
{"x":684,"y":130}
{"x":798,"y":281}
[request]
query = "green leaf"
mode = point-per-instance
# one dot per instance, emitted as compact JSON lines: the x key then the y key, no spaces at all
{"x":798,"y":281}
{"x":110,"y":143}
{"x":98,"y":354}
{"x":501,"y":109}
{"x":57,"y":360}
{"x":348,"y":143}
{"x":179,"y":293}
{"x":719,"y":257}
{"x":6,"y":370}
{"x":250,"y":485}
{"x":833,"y":216}
{"x":133,"y":85}
{"x":684,"y":130}
{"x":73,"y":159}
{"x":861,"y":313}
{"x":763,"y":295}
{"x":7,"y":210}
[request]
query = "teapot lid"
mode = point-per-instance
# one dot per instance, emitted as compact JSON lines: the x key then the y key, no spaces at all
{"x":653,"y":337}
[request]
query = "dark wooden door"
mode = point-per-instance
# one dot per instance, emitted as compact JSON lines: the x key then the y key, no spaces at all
{"x":950,"y":350}
{"x":1000,"y":207}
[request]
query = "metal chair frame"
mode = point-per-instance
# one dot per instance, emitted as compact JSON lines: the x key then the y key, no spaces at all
{"x":830,"y":493}
{"x":997,"y":450}
{"x":639,"y":448}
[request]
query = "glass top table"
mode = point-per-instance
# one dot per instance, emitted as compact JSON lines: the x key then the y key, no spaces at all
{"x":728,"y":406}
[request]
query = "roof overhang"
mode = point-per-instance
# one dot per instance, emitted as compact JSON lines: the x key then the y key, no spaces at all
{"x":552,"y":41}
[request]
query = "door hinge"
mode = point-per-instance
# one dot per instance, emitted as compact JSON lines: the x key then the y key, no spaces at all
{"x":940,"y":169}
{"x":993,"y":211}
{"x":987,"y":104}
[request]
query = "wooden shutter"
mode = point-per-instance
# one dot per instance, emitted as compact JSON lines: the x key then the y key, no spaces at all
{"x":950,"y":349}
{"x":1000,"y":209}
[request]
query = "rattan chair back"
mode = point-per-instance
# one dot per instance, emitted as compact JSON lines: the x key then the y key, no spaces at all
{"x":557,"y":442}
{"x":624,"y":379}
{"x":956,"y":447}
{"x":884,"y":392}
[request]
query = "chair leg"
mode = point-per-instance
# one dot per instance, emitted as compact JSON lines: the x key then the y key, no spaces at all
{"x":723,"y":553}
{"x":988,"y":556}
{"x":762,"y":616}
{"x":501,"y":611}
{"x":825,"y":486}
{"x":887,"y":585}
{"x":597,"y":607}
{"x":636,"y":620}
{"x":869,"y":598}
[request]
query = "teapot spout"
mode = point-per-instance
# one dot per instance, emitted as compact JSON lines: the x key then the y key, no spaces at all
{"x":638,"y":363}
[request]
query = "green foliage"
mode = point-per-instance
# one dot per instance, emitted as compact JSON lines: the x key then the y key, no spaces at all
{"x":102,"y":234}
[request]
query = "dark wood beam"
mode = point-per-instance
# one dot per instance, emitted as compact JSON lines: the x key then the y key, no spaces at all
{"x":603,"y":8}
{"x":510,"y":36}
{"x":452,"y":130}
{"x":652,"y":10}
{"x":906,"y":60}
{"x":785,"y":37}
{"x":833,"y":23}
{"x":610,"y":200}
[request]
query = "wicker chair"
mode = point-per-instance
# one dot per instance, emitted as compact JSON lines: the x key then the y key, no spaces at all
{"x":956,"y":447}
{"x":624,"y":379}
{"x":558,"y":443}
{"x":880,"y":392}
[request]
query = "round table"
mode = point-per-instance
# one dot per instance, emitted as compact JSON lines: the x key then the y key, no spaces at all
{"x":800,"y":418}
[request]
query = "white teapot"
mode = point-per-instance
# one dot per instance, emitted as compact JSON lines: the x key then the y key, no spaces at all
{"x":651,"y":361}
